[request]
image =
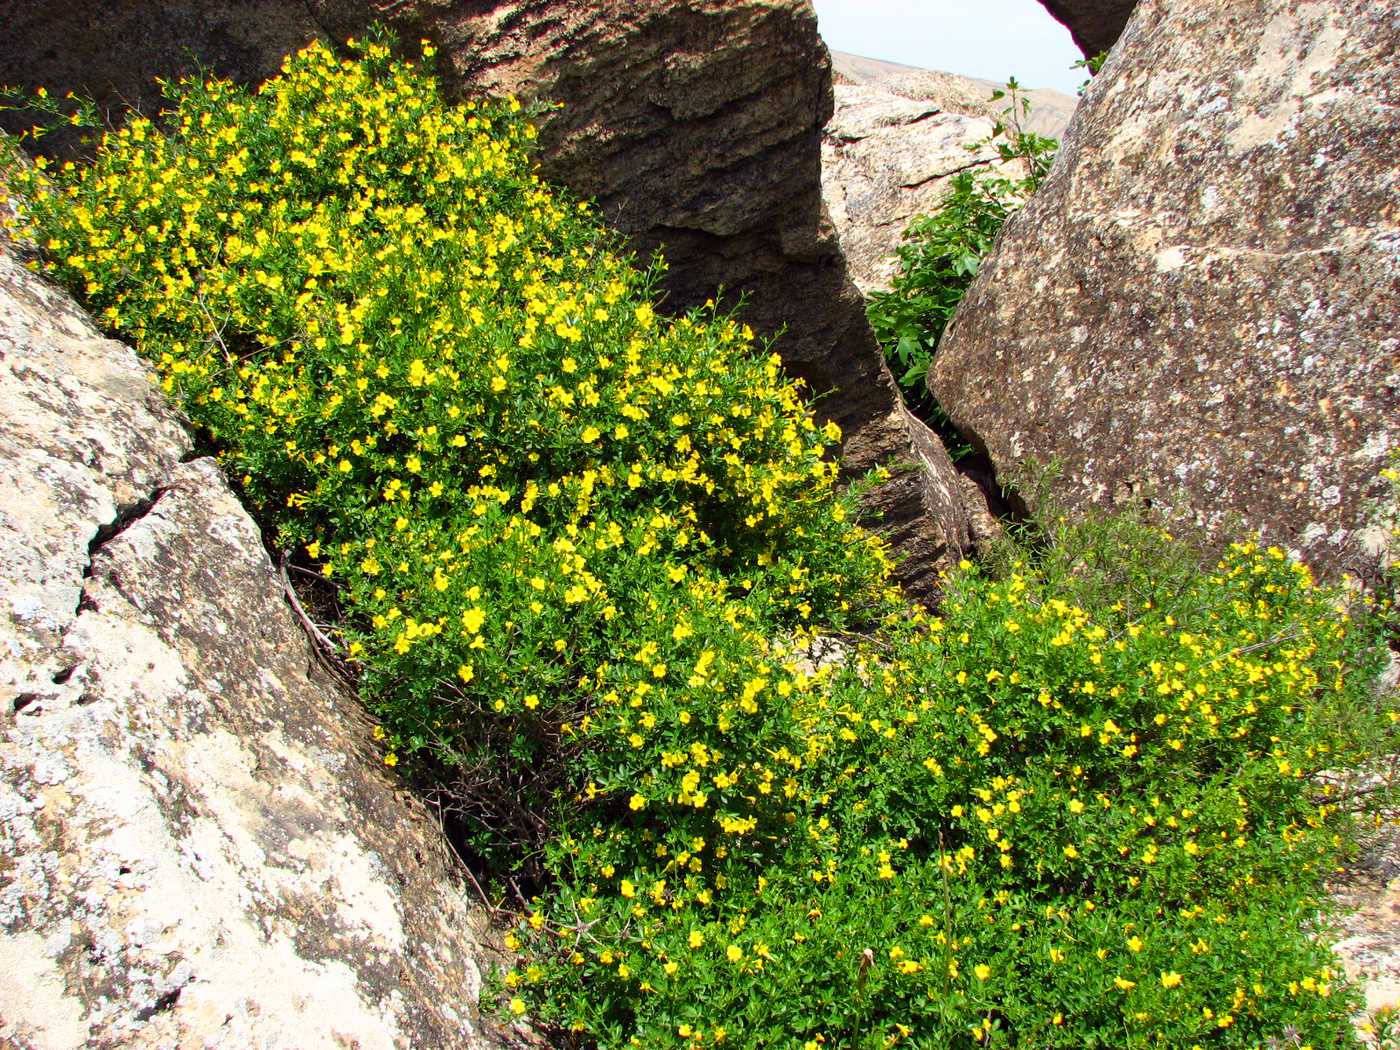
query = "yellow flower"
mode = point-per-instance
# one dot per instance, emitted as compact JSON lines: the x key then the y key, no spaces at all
{"x":734,"y":953}
{"x":1170,"y":979}
{"x":627,"y":889}
{"x":696,"y":938}
{"x":517,"y":1006}
{"x":983,"y":971}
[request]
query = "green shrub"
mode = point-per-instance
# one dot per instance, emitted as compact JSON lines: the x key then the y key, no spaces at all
{"x":943,"y":251}
{"x":1093,"y":65}
{"x":940,"y":256}
{"x":1059,"y":815}
{"x":584,"y":553}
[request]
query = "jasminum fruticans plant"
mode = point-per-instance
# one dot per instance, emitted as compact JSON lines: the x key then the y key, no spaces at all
{"x":582,"y":550}
{"x":440,"y":382}
{"x":1059,"y":814}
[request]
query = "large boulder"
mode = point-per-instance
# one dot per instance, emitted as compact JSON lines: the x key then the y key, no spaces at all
{"x":198,"y":844}
{"x":896,"y":138}
{"x":1095,"y":25}
{"x":696,"y":127}
{"x":1199,"y":305}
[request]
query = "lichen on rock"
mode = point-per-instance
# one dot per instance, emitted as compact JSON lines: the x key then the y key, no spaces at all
{"x":197,"y":844}
{"x":1198,"y":306}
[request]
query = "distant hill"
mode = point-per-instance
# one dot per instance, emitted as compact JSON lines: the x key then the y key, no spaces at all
{"x":1050,"y":110}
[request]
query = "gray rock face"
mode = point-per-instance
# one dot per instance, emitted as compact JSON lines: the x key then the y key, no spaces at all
{"x":895,"y":139}
{"x":1095,"y":24}
{"x":198,"y":846}
{"x":1200,"y":303}
{"x":696,"y":126}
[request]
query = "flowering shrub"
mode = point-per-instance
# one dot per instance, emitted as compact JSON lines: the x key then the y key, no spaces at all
{"x":581,"y":551}
{"x":1043,"y":818}
{"x":438,"y":379}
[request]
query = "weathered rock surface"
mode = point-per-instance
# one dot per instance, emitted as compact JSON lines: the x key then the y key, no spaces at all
{"x":696,"y":126}
{"x":1050,"y":110}
{"x":197,"y":845}
{"x":895,"y":139}
{"x":1200,"y":303}
{"x":1367,"y":893}
{"x":1095,"y":24}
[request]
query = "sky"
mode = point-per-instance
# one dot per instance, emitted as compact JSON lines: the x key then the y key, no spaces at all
{"x":994,"y":39}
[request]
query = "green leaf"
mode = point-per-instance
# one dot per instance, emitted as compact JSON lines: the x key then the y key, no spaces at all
{"x":915,"y":374}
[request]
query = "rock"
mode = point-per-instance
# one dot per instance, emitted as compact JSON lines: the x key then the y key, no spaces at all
{"x":696,"y":127}
{"x":894,"y":141}
{"x":198,"y":846}
{"x":1050,"y":110}
{"x":1199,"y":305}
{"x":1366,"y":895}
{"x":1095,"y":24}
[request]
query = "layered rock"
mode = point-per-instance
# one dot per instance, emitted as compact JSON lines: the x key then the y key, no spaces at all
{"x":198,"y":846}
{"x":895,"y":139}
{"x":952,"y":93}
{"x":1200,"y":303}
{"x":1095,"y":25}
{"x":697,"y":128}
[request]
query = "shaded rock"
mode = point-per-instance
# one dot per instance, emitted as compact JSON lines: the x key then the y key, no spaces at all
{"x":113,"y":53}
{"x":696,"y":127}
{"x":895,"y":139}
{"x":198,"y":846}
{"x":1199,"y":305}
{"x":1095,"y":25}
